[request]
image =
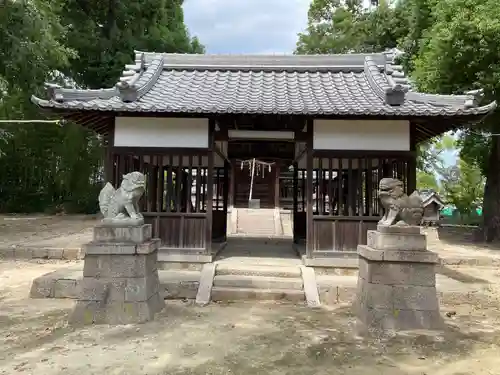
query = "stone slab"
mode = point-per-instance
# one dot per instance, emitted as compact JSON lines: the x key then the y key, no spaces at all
{"x":43,"y":286}
{"x":399,"y":229}
{"x":40,"y":252}
{"x":333,"y":262}
{"x":119,"y":265}
{"x":121,"y":248}
{"x":310,"y":287}
{"x":204,"y":293}
{"x":396,"y":241}
{"x":95,"y":312}
{"x":122,"y":223}
{"x":114,"y":233}
{"x":259,"y":282}
{"x":396,"y":297}
{"x":249,"y":294}
{"x":405,"y":256}
{"x":379,"y":321}
{"x":392,"y":273}
{"x":183,"y":258}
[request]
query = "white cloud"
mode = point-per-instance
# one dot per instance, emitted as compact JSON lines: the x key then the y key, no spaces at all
{"x":247,"y":26}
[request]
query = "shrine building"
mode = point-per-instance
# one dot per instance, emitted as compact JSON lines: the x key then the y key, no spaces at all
{"x":313,"y":134}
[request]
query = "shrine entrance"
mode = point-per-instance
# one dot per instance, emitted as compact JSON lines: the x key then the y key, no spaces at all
{"x":255,"y":183}
{"x":256,"y":170}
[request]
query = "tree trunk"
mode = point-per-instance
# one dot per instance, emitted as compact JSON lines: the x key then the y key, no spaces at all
{"x":491,"y":203}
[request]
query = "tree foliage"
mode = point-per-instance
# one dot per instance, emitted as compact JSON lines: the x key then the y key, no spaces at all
{"x":466,"y":193}
{"x":106,"y":33}
{"x":59,"y":168}
{"x":459,"y":52}
{"x":336,"y":26}
{"x":426,"y":180}
{"x":451,"y":46}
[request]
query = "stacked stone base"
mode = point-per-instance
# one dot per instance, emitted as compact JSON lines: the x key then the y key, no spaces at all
{"x":396,"y":282}
{"x":120,"y":278}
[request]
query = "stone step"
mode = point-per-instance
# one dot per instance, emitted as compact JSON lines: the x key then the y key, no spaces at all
{"x":234,"y":294}
{"x":335,"y":254}
{"x":263,"y":249}
{"x":258,"y":282}
{"x":257,"y":270}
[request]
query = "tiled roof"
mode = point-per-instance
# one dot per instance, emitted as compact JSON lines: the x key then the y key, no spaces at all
{"x":351,"y":84}
{"x":429,"y":195}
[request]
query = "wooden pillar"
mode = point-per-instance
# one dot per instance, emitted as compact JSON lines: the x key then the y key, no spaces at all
{"x":108,"y":164}
{"x":295,"y":199}
{"x":412,"y":162}
{"x":309,"y":190}
{"x":412,"y":174}
{"x":227,"y":168}
{"x":277,"y":186}
{"x":232,"y":170}
{"x":109,"y":167}
{"x":210,"y":187}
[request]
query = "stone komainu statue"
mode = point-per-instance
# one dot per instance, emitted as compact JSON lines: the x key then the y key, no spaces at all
{"x":399,"y":208}
{"x":122,"y":204}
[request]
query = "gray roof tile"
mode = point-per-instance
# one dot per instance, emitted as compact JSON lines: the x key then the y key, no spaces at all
{"x":312,"y":85}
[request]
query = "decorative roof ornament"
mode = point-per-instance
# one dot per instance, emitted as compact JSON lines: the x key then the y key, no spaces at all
{"x":474,"y":98}
{"x":138,"y":78}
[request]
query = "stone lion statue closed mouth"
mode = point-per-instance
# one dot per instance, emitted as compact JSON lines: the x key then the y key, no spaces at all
{"x":399,"y":208}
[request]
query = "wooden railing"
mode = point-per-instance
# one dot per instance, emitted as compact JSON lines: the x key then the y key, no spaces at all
{"x":185,"y":203}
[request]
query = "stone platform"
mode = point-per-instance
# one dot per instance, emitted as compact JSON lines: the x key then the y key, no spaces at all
{"x":396,"y":287}
{"x":120,"y":282}
{"x":183,"y":284}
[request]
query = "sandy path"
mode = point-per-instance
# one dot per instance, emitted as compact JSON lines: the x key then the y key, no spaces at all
{"x":38,"y":230}
{"x":244,"y":339}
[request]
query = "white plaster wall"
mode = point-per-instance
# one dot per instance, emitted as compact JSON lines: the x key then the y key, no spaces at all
{"x":161,"y":132}
{"x":383,"y":135}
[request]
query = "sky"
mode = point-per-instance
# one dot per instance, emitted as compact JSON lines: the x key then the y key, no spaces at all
{"x":247,"y":26}
{"x":251,"y":26}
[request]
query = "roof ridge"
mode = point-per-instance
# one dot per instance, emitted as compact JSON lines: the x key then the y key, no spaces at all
{"x":138,"y":79}
{"x":261,"y":62}
{"x":387,"y":89}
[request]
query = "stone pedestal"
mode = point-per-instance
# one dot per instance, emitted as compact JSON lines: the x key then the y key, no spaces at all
{"x":397,"y":282}
{"x":120,"y":278}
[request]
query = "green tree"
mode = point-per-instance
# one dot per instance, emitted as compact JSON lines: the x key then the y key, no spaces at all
{"x":460,"y":52}
{"x":430,"y":154}
{"x":49,"y":167}
{"x":427,"y":180}
{"x":106,"y":33}
{"x":342,"y":27}
{"x":31,"y":50}
{"x":466,"y":193}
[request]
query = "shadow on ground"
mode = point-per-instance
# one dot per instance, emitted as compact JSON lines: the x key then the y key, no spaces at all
{"x":463,"y":236}
{"x":461,"y":276}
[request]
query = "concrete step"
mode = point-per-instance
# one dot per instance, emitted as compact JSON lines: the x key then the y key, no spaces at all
{"x":235,"y":294}
{"x":257,"y":270}
{"x":258,"y":282}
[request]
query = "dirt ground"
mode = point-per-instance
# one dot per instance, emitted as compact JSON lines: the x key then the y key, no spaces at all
{"x":51,"y":231}
{"x":238,"y":338}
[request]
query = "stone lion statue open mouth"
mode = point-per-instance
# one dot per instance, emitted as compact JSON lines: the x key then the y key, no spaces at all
{"x":122,"y":204}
